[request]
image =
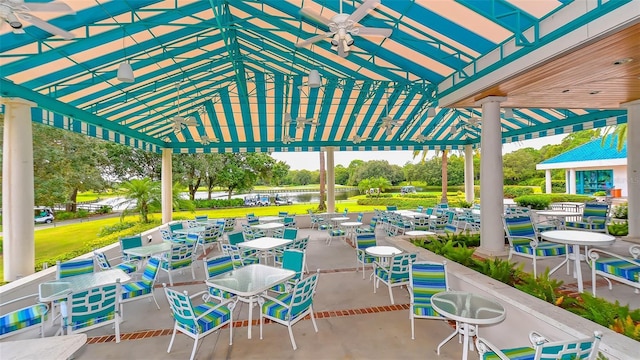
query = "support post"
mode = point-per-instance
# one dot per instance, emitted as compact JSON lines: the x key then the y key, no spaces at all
{"x":167,"y":186}
{"x":547,"y":181}
{"x":331,"y":180}
{"x":572,"y":181}
{"x":491,"y":178}
{"x":18,"y":249}
{"x":468,"y":174}
{"x":633,"y":168}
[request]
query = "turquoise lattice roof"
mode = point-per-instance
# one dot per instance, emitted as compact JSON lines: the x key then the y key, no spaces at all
{"x":594,"y":150}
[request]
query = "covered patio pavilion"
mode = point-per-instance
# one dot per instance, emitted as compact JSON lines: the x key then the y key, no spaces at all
{"x":263,"y":76}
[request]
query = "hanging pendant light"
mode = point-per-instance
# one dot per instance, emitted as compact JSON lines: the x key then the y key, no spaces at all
{"x":314,"y":80}
{"x":125,"y":73}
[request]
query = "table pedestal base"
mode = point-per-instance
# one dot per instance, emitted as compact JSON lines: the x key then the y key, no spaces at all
{"x":467,"y":332}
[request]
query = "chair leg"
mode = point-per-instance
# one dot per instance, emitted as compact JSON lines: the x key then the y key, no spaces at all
{"x":195,"y":347}
{"x":413,"y":336}
{"x":170,"y":279}
{"x":154,"y":299}
{"x":535,"y":273}
{"x":313,"y":319}
{"x":293,"y":341}
{"x":261,"y":321}
{"x":117,"y":326}
{"x":390,"y":292}
{"x":173,"y":336}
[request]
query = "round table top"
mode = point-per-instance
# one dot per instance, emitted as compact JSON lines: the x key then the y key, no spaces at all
{"x":341,"y":218}
{"x":577,"y":237}
{"x":351,"y":223}
{"x":557,"y":213}
{"x":382,"y":250}
{"x":419,"y":233}
{"x":468,"y":307}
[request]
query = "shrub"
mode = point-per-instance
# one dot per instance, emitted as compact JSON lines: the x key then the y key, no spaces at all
{"x":511,"y":192}
{"x":621,"y":211}
{"x":542,"y":201}
{"x":619,"y":228}
{"x":217,"y":203}
{"x":107,"y":230}
{"x":400,"y":202}
{"x":600,"y":193}
{"x":104,"y":209}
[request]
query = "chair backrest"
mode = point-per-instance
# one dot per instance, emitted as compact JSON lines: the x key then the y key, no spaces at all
{"x":93,"y":307}
{"x":181,"y":255}
{"x":420,"y":208}
{"x":289,"y":221}
{"x":253,"y":220}
{"x":293,"y":259}
{"x":302,"y":294}
{"x":202,"y":218}
{"x":421,"y":221}
{"x":74,"y":267}
{"x":443,"y":206}
{"x":182,"y":310}
{"x":300,"y":244}
{"x":175,"y":226}
{"x":595,"y":211}
{"x":283,"y":213}
{"x":102,"y":261}
{"x":519,"y":228}
{"x":235,"y":237}
{"x":229,"y":224}
{"x":217,"y":265}
{"x":128,"y":242}
{"x":585,"y":348}
{"x":429,"y":211}
{"x":290,"y":233}
{"x":392,"y":208}
{"x":365,"y":240}
{"x":234,"y":252}
{"x":165,"y":234}
{"x":400,"y":265}
{"x":150,"y":273}
{"x":427,"y":278}
{"x":360,"y":216}
{"x":345,"y":212}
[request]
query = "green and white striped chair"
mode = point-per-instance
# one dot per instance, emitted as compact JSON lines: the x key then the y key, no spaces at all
{"x":92,"y":308}
{"x":393,"y":274}
{"x":364,"y":241}
{"x":144,"y":287}
{"x":426,"y":278}
{"x":287,"y":309}
{"x":202,"y":219}
{"x":105,"y":264}
{"x":335,"y":233}
{"x":523,"y":240}
{"x":180,"y":257}
{"x":595,"y":217}
{"x":214,"y":267}
{"x":615,"y":267}
{"x":196,"y":321}
{"x":543,"y":349}
{"x":371,"y":228}
{"x":73,"y":268}
{"x":23,"y":319}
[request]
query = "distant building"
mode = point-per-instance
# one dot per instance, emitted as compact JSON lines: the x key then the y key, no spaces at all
{"x":591,"y":167}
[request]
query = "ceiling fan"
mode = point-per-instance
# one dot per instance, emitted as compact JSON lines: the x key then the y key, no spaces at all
{"x":180,"y":121}
{"x":13,"y":11}
{"x":287,"y":139}
{"x":387,"y":122}
{"x":205,"y":140}
{"x":342,"y":26}
{"x":299,"y":121}
{"x":357,"y":139}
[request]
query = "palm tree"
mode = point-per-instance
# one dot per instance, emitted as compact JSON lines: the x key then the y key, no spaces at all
{"x":445,"y":157}
{"x":144,"y":193}
{"x":620,"y":131}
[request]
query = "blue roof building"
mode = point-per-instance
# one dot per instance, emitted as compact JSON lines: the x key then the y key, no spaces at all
{"x":594,"y":166}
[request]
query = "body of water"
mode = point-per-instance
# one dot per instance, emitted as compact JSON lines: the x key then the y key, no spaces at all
{"x":295,"y":197}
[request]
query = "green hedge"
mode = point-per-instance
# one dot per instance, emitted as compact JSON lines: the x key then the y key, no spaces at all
{"x":512,"y":191}
{"x":542,"y":201}
{"x":217,"y":203}
{"x":401,"y":203}
{"x":420,"y":196}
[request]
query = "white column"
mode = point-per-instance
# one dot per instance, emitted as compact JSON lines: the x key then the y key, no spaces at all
{"x":491,"y":178}
{"x":572,"y":181}
{"x":167,"y":186}
{"x":331,"y":181}
{"x":567,"y":188}
{"x":633,"y":168}
{"x":468,"y":174}
{"x":17,"y":190}
{"x":547,"y":181}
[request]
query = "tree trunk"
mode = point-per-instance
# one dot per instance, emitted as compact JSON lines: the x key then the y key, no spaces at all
{"x":444,"y":199}
{"x":322,"y":206}
{"x":229,"y":192}
{"x":71,"y":206}
{"x":193,"y":189}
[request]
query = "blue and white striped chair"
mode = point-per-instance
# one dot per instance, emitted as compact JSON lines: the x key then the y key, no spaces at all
{"x":202,"y":219}
{"x":196,"y":321}
{"x":612,"y":266}
{"x":364,"y":241}
{"x":393,"y":274}
{"x":523,"y":240}
{"x":595,"y":217}
{"x":335,"y":233}
{"x":214,"y":267}
{"x":426,"y":278}
{"x":92,"y":308}
{"x":543,"y":349}
{"x":23,"y":319}
{"x":105,"y":264}
{"x":144,"y":287}
{"x":74,"y":267}
{"x":289,"y":308}
{"x":371,"y":228}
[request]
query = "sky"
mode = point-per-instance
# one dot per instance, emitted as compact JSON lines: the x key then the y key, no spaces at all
{"x":310,"y":160}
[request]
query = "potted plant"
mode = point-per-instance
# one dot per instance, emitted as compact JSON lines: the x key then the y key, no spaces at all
{"x":600,"y":195}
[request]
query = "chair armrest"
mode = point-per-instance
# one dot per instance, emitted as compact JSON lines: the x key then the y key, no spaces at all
{"x":594,"y":254}
{"x":537,"y":339}
{"x":212,"y":309}
{"x":34,"y":296}
{"x":634,"y":250}
{"x":271,"y":298}
{"x":485,"y":346}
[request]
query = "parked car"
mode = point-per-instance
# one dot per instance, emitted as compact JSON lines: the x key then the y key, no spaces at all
{"x":42,"y":215}
{"x":282,"y":200}
{"x":257,"y":200}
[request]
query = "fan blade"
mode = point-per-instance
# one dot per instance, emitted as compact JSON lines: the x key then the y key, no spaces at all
{"x":190,"y":121}
{"x":36,"y":21}
{"x":362,"y":10}
{"x":313,"y":39}
{"x":368,"y":31}
{"x":315,"y":17}
{"x":50,"y":7}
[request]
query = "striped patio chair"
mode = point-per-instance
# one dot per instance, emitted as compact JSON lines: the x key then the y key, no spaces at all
{"x":360,"y":216}
{"x":289,"y":221}
{"x":426,"y":278}
{"x":612,"y":266}
{"x":180,"y":257}
{"x":289,"y":308}
{"x":74,"y":267}
{"x":239,"y":258}
{"x":523,"y":240}
{"x":202,"y":219}
{"x":364,"y":241}
{"x":92,"y":308}
{"x":393,"y":274}
{"x":229,"y":224}
{"x":214,"y":267}
{"x":22,"y":319}
{"x":316,"y":220}
{"x":421,"y":223}
{"x":392,"y":208}
{"x":196,"y":321}
{"x":543,"y":349}
{"x":105,"y":264}
{"x":212,"y":235}
{"x":252,"y":220}
{"x":335,"y":233}
{"x":371,"y":228}
{"x":595,"y":217}
{"x":142,"y":288}
{"x":283,"y":214}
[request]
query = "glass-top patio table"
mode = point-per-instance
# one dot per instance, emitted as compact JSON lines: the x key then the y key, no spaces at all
{"x":60,"y":289}
{"x":149,"y":250}
{"x":269,"y":219}
{"x":248,"y":282}
{"x":191,"y":230}
{"x":268,"y":227}
{"x":264,"y":245}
